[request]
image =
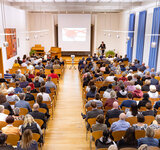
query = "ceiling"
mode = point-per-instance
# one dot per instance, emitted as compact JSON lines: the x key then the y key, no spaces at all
{"x":77,"y":6}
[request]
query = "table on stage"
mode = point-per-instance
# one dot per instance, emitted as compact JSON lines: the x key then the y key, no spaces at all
{"x":55,"y":51}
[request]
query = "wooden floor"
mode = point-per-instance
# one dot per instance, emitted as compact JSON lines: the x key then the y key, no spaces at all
{"x":67,"y":130}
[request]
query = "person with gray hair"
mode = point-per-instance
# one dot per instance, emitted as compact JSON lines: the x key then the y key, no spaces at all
{"x":16,"y":115}
{"x":149,"y":139}
{"x":22,"y":103}
{"x":50,"y":83}
{"x":11,"y":97}
{"x":2,"y":115}
{"x":156,"y":123}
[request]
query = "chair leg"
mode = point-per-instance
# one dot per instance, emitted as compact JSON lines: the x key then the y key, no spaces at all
{"x":90,"y":142}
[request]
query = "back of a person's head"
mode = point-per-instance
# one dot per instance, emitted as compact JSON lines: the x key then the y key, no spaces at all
{"x":28,"y":88}
{"x":147,"y":82}
{"x":91,"y":82}
{"x":3,"y":138}
{"x":26,"y":139}
{"x":148,"y":106}
{"x":17,"y":84}
{"x":39,"y":99}
{"x":140,"y":118}
{"x":129,"y":78}
{"x":93,"y":104}
{"x":36,"y":107}
{"x":16,"y":111}
{"x":100,"y":118}
{"x":146,"y":96}
{"x":113,"y":94}
{"x":28,"y":120}
{"x":122,"y":116}
{"x":42,"y":89}
{"x":134,"y":109}
{"x":152,"y":75}
{"x":93,"y":88}
{"x":130,"y":136}
{"x":158,"y":119}
{"x":106,"y":135}
{"x":110,"y":86}
{"x":97,"y":97}
{"x":138,"y":87}
{"x":112,"y":147}
{"x":150,"y":132}
{"x":52,"y":71}
{"x":22,"y":96}
{"x":138,"y":77}
{"x":122,"y":88}
{"x":9,"y":120}
{"x":2,"y":98}
{"x":1,"y":108}
{"x":115,"y":105}
{"x":130,"y":96}
{"x":49,"y":79}
{"x":152,"y":88}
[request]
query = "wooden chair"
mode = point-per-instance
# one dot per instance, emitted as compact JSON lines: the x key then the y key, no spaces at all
{"x":153,"y":148}
{"x":117,"y":135}
{"x":17,"y":123}
{"x":142,"y":109}
{"x":23,"y":111}
{"x":6,"y":111}
{"x":149,"y":119}
{"x":12,"y":139}
{"x":36,"y":136}
{"x":111,"y":120}
{"x":140,"y":134}
{"x":31,"y":103}
{"x":137,"y":99}
{"x":91,"y":121}
{"x":102,"y":148}
{"x":95,"y":135}
{"x":50,"y":106}
{"x":2,"y":124}
{"x":39,"y":121}
{"x":128,"y":148}
{"x":157,"y":134}
{"x":47,"y":71}
{"x":12,"y":103}
{"x":125,"y":109}
{"x":132,"y":120}
{"x":42,"y":110}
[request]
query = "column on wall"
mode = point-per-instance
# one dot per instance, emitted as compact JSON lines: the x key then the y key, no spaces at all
{"x":141,"y":35}
{"x":130,"y":35}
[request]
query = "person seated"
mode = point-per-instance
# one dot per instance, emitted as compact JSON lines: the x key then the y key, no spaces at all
{"x":121,"y":124}
{"x":100,"y":78}
{"x":2,"y":115}
{"x":11,"y":97}
{"x":16,"y":64}
{"x":88,"y":58}
{"x":31,"y":74}
{"x":106,"y":94}
{"x":97,"y":100}
{"x":3,"y":88}
{"x":22,"y":103}
{"x":137,"y":93}
{"x":33,"y":90}
{"x":87,"y":79}
{"x":110,"y":78}
{"x":48,"y":65}
{"x":149,"y":111}
{"x":131,"y":87}
{"x":133,"y":111}
{"x":144,"y":101}
{"x":146,"y":85}
{"x":10,"y":129}
{"x":53,"y":75}
{"x":39,"y":66}
{"x":95,"y":58}
{"x":99,"y":124}
{"x":30,"y":66}
{"x":129,"y":102}
{"x":153,"y":93}
{"x":40,"y":79}
{"x":133,"y":67}
{"x":7,"y":75}
{"x":45,"y":95}
{"x":129,"y":139}
{"x":152,"y":71}
{"x":122,"y":93}
{"x":27,"y":141}
{"x":36,"y":82}
{"x":88,"y":87}
{"x":113,"y":113}
{"x":156,"y":123}
{"x":109,"y":102}
{"x":5,"y":103}
{"x":92,"y":92}
{"x":102,"y":69}
{"x":125,"y":58}
{"x":140,"y":125}
{"x":2,"y":80}
{"x":38,"y":115}
{"x":123,"y":78}
{"x":153,"y":80}
{"x":42,"y":74}
{"x":139,"y":81}
{"x":105,"y":141}
{"x":97,"y":73}
{"x":28,"y":95}
{"x":3,"y":145}
{"x":50,"y":83}
{"x":16,"y":115}
{"x":14,"y":79}
{"x":56,"y":65}
{"x":24,"y":82}
{"x":149,"y":139}
{"x":19,"y":74}
{"x":18,"y":89}
{"x":143,"y":67}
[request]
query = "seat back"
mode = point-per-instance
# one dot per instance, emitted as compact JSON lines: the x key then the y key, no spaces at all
{"x":91,"y":121}
{"x":39,"y":121}
{"x":111,"y":120}
{"x":140,"y":134}
{"x":42,"y":110}
{"x":17,"y":123}
{"x":157,"y":134}
{"x":23,"y":111}
{"x":128,"y":148}
{"x":132,"y":120}
{"x":2,"y":124}
{"x":36,"y":136}
{"x":149,"y":119}
{"x":6,"y":111}
{"x":97,"y":134}
{"x":31,"y":103}
{"x":12,"y":139}
{"x":117,"y":135}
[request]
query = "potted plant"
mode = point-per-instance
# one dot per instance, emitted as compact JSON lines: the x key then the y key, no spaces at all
{"x":32,"y":52}
{"x":110,"y":53}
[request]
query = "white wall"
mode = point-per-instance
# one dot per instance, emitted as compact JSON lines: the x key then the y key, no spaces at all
{"x":15,"y":18}
{"x":42,"y":21}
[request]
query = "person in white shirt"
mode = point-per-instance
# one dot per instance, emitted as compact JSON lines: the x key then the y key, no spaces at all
{"x":110,"y":78}
{"x":107,"y":93}
{"x":45,"y":95}
{"x":24,"y":65}
{"x":153,"y":93}
{"x":2,"y":115}
{"x":30,"y":66}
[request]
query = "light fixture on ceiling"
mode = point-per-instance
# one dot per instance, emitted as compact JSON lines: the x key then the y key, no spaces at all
{"x":153,"y":44}
{"x":109,"y":35}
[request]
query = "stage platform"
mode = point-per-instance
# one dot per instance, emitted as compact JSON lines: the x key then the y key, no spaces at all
{"x":69,"y":60}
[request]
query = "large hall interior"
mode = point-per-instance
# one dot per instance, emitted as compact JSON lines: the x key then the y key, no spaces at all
{"x":79,"y":74}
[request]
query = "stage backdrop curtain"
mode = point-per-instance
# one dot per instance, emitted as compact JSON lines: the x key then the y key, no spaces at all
{"x":141,"y":35}
{"x":154,"y":38}
{"x":131,"y":36}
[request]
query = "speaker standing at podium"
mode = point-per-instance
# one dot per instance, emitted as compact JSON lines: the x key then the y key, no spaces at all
{"x":102,"y":47}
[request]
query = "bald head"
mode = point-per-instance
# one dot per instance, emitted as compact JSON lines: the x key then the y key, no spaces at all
{"x":122,"y":116}
{"x":35,"y":106}
{"x":115,"y":105}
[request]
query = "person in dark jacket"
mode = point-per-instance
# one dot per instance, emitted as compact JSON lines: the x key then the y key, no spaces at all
{"x":129,"y":139}
{"x":146,"y":85}
{"x":153,"y":80}
{"x":18,"y":89}
{"x":38,"y":115}
{"x":37,"y":84}
{"x":139,"y":81}
{"x":149,"y":111}
{"x":122,"y":93}
{"x":92,"y":92}
{"x":5,"y":103}
{"x":29,"y":96}
{"x":144,"y":101}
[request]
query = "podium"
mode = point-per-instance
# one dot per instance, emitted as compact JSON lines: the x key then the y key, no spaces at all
{"x":55,"y":51}
{"x":39,"y":50}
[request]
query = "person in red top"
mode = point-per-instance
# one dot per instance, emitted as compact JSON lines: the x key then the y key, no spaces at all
{"x":53,"y":75}
{"x":123,"y":78}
